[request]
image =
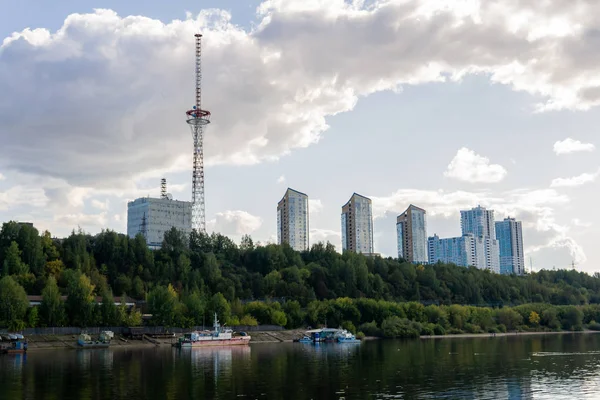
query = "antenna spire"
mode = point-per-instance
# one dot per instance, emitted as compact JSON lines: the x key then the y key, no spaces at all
{"x":163,"y":188}
{"x":198,"y":118}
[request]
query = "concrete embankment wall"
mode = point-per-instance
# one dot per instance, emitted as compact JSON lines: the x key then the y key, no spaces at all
{"x":146,"y":330}
{"x":70,"y":341}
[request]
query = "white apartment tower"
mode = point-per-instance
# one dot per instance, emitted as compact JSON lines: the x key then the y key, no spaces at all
{"x":292,"y":220}
{"x":357,"y":225}
{"x":509,"y":233}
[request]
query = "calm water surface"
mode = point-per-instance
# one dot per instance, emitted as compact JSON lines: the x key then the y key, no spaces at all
{"x":524,"y":367}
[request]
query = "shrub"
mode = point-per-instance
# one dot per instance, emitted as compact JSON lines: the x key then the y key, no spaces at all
{"x":594,"y":326}
{"x":493,"y":330}
{"x":472,"y":328}
{"x":455,"y":331}
{"x":396,"y":327}
{"x":502,"y":328}
{"x":439,"y":329}
{"x":349,"y":326}
{"x":248,"y":320}
{"x":370,"y":329}
{"x":360,"y":336}
{"x":427,"y":330}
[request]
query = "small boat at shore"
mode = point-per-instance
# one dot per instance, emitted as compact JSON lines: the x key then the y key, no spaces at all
{"x":328,"y":335}
{"x":103,"y":340}
{"x":13,"y":343}
{"x":219,"y":336}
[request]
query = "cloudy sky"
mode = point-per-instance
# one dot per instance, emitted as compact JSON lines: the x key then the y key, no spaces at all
{"x":443,"y":104}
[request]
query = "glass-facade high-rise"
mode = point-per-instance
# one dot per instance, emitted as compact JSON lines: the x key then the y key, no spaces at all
{"x":478,"y":221}
{"x":411,"y":230}
{"x":456,"y":250}
{"x":509,"y":233}
{"x":292,"y":220}
{"x":357,"y":225}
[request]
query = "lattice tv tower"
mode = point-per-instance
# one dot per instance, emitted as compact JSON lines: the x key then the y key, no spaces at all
{"x":198,"y":118}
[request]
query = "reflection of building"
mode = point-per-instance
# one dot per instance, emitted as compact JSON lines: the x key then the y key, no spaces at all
{"x":153,"y":217}
{"x":510,"y":235}
{"x":411,"y":232}
{"x":292,"y":220}
{"x":357,"y":225}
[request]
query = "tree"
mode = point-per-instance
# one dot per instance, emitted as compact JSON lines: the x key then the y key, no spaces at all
{"x":13,"y":303}
{"x":278,"y":318}
{"x":163,"y":304}
{"x":108,"y":310}
{"x":248,"y":320}
{"x":196,"y":308}
{"x":219,"y":305}
{"x":80,"y":300}
{"x":12,"y":261}
{"x":534,"y":318}
{"x":52,"y":310}
{"x":33,"y":318}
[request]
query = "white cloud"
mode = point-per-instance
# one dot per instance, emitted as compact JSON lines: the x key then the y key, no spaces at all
{"x":315,"y":206}
{"x":569,"y":145}
{"x":234,"y":223}
{"x":100,"y":205}
{"x":324,"y":236}
{"x":304,"y":61}
{"x":580,"y":223}
{"x":21,"y":196}
{"x":82,"y":220}
{"x":281,"y":179}
{"x":575,"y":180}
{"x":468,"y":166}
{"x":2,"y":177}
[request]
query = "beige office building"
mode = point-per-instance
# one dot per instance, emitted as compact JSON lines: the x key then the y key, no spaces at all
{"x":411,"y":230}
{"x":357,"y":225}
{"x":292,"y":220}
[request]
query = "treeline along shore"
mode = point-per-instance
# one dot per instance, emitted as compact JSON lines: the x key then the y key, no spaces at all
{"x":191,"y":278}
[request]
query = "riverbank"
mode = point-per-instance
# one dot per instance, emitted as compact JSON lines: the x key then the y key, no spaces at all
{"x":495,"y":335}
{"x":49,"y":342}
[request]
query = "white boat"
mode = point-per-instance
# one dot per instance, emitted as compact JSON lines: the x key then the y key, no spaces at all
{"x":219,"y":336}
{"x":103,"y":340}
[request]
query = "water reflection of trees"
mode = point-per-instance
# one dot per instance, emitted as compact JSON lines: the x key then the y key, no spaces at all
{"x":501,"y":367}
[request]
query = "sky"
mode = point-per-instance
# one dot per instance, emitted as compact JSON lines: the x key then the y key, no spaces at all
{"x":442,"y":104}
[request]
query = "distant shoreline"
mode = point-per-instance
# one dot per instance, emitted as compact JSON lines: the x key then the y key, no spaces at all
{"x":512,"y":334}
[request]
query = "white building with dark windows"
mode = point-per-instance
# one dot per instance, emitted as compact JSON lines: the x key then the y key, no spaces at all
{"x":292,"y":220}
{"x":152,"y":217}
{"x":411,"y":233}
{"x":357,"y":225}
{"x":509,"y":233}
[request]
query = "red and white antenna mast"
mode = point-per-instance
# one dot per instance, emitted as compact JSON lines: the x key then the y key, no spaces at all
{"x":198,"y":118}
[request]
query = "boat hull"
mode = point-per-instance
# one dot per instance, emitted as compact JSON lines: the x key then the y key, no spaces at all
{"x":241,"y":341}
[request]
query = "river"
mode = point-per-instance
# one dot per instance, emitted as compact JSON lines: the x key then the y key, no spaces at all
{"x":521,"y":367}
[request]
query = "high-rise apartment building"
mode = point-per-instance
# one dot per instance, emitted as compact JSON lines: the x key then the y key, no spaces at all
{"x":478,"y":221}
{"x":411,"y":230}
{"x":456,"y":250}
{"x":509,"y":233}
{"x":153,"y":217}
{"x":292,"y":220}
{"x":357,"y":225}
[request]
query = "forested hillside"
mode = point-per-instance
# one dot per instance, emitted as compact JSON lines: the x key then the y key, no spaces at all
{"x":207,"y":273}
